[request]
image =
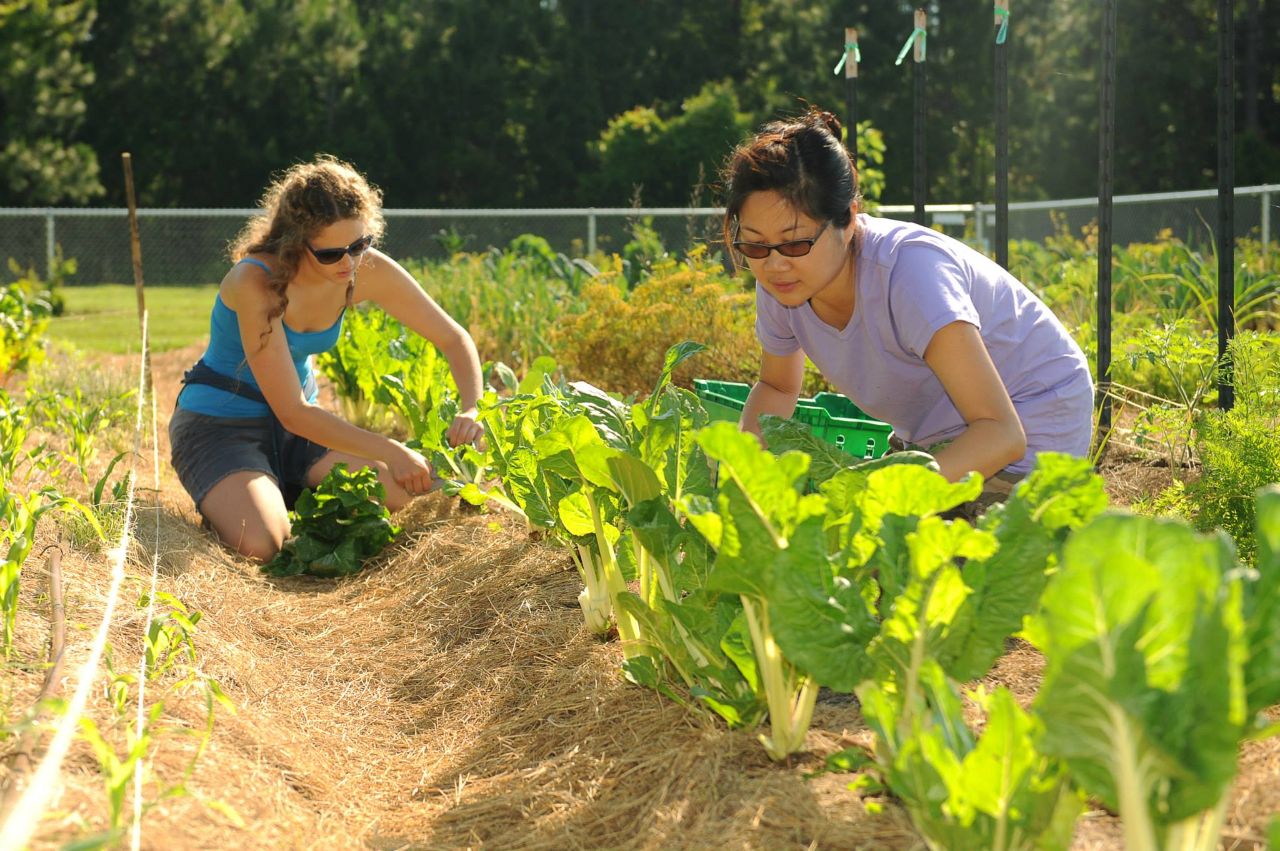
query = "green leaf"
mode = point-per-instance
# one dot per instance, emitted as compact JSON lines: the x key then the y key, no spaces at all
{"x":1262,"y":606}
{"x":1143,"y":691}
{"x":1060,"y":494}
{"x":634,"y":478}
{"x":575,"y":515}
{"x":676,"y":355}
{"x":820,"y":621}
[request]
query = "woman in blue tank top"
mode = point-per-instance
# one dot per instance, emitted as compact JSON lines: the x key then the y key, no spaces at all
{"x":247,"y":434}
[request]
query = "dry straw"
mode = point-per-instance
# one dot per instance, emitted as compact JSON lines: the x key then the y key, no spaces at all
{"x":449,"y":697}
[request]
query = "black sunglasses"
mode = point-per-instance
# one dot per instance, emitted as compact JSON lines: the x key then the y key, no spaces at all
{"x":329,"y":256}
{"x":790,"y":248}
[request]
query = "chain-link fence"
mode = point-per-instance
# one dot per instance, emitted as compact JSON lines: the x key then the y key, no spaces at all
{"x":190,"y":246}
{"x":1189,"y":216}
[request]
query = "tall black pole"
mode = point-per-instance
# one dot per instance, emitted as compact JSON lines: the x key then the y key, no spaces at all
{"x":1002,"y":132}
{"x":1226,"y":200}
{"x":1106,"y":167}
{"x":918,"y":189}
{"x":851,"y":59}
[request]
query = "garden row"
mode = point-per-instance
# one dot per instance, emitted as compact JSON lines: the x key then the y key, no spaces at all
{"x":739,"y":581}
{"x":52,"y":430}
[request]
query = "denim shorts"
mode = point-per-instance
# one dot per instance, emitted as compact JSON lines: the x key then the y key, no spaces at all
{"x":207,"y":449}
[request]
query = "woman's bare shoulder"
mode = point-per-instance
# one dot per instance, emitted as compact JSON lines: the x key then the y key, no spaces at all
{"x":246,"y":284}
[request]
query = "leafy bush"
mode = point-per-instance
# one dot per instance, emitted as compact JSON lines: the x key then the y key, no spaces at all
{"x":24,"y":315}
{"x":509,"y":300}
{"x":1158,"y":281}
{"x":336,"y":527}
{"x":642,"y":252}
{"x":1239,"y":453}
{"x":619,"y":338}
{"x":667,"y":156}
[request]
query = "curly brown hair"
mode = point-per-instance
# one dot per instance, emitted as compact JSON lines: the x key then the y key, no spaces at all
{"x":299,"y":203}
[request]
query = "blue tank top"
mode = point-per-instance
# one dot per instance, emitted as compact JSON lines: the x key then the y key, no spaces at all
{"x":225,"y":355}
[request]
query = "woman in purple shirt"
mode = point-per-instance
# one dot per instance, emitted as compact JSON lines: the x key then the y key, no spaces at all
{"x":918,"y":329}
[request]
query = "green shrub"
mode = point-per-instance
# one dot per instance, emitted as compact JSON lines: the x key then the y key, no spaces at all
{"x":1238,"y":450}
{"x":619,"y":338}
{"x":24,"y":316}
{"x":1239,"y":453}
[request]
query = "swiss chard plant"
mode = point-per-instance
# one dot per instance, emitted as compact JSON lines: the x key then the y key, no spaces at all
{"x":574,"y":450}
{"x":336,"y":527}
{"x":966,"y":792}
{"x":511,"y":424}
{"x":764,"y":531}
{"x":1161,"y":651}
{"x":680,"y":623}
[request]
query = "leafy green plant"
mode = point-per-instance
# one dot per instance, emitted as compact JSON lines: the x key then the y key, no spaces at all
{"x":24,"y":316}
{"x":1161,"y":654}
{"x":336,"y":527}
{"x":424,"y":396}
{"x":450,"y":241}
{"x":15,"y":428}
{"x":372,"y":344}
{"x":1239,"y":452}
{"x":993,"y":792}
{"x":108,"y":507}
{"x":509,"y":299}
{"x":764,"y":531}
{"x":19,"y":515}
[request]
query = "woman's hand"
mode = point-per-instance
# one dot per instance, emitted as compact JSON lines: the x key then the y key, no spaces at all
{"x":465,"y":429}
{"x":410,"y":470}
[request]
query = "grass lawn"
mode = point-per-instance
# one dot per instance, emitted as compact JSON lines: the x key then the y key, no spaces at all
{"x":104,"y":317}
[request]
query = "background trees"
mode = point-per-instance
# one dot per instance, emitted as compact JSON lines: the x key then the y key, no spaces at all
{"x":572,"y":102}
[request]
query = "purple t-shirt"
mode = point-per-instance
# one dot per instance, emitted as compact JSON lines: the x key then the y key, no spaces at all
{"x":912,"y":281}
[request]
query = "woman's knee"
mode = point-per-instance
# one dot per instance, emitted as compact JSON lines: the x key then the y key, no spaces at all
{"x":262,"y":546}
{"x":247,"y":511}
{"x":397,"y":499}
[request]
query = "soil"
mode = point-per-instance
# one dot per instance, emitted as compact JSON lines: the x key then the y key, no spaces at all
{"x":449,"y":697}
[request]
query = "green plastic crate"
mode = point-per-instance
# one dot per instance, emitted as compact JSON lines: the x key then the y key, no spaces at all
{"x":831,"y":416}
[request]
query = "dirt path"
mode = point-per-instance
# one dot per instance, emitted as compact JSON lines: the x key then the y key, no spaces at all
{"x":449,"y":697}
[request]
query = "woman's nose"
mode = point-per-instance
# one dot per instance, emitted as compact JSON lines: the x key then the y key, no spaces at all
{"x":776,"y":261}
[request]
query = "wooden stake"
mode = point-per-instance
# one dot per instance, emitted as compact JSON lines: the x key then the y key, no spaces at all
{"x":850,"y":56}
{"x":135,"y":248}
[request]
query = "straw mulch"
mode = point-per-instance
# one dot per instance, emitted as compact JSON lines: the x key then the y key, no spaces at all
{"x":449,"y":697}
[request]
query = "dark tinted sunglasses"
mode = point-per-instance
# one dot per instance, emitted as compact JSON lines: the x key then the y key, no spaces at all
{"x":329,"y":256}
{"x":790,"y":248}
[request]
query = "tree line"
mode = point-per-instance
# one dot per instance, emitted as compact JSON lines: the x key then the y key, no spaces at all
{"x":482,"y":103}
